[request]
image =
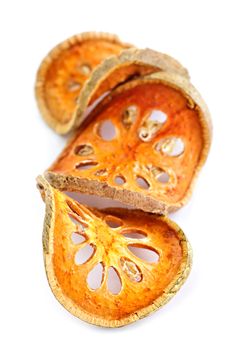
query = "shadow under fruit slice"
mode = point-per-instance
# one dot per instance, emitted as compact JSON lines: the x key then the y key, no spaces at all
{"x":64,"y":71}
{"x":67,"y":81}
{"x":140,"y":284}
{"x":143,"y":145}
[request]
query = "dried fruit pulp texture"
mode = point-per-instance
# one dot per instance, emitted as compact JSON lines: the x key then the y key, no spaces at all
{"x":69,"y":71}
{"x":130,"y":155}
{"x":111,"y":249}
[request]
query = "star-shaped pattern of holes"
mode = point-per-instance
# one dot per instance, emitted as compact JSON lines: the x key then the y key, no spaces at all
{"x":124,"y":252}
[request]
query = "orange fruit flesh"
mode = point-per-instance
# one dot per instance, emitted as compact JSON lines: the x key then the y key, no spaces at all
{"x":68,"y":72}
{"x":143,"y":283}
{"x":128,"y":156}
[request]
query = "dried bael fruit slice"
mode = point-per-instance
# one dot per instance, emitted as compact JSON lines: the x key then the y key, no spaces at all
{"x":111,"y":267}
{"x":61,"y":91}
{"x":64,"y":71}
{"x":115,"y":70}
{"x":143,"y":145}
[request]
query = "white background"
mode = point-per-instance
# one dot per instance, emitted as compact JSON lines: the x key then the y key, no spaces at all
{"x":198,"y":33}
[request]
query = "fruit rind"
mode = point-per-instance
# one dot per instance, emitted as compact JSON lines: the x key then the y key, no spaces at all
{"x":48,"y":195}
{"x":133,"y":56}
{"x":47,"y":115}
{"x":153,"y":60}
{"x":135,"y":199}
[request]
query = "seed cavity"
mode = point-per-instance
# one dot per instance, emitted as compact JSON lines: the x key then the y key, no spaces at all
{"x":163,"y":177}
{"x":83,"y":150}
{"x":131,"y":270}
{"x":86,"y":165}
{"x":76,"y":215}
{"x":78,"y":238}
{"x":151,"y":125}
{"x":142,"y":182}
{"x":145,"y":253}
{"x":113,"y":222}
{"x":157,"y":117}
{"x":79,"y":226}
{"x":160,"y":175}
{"x":129,"y":116}
{"x":95,"y":276}
{"x":172,"y":146}
{"x":114,"y":283}
{"x":107,"y":130}
{"x":84,"y":254}
{"x":134,"y":234}
{"x":119,"y":180}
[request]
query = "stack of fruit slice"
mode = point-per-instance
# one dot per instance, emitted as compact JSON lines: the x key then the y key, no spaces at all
{"x":141,"y":133}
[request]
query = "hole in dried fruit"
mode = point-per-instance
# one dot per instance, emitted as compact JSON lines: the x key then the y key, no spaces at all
{"x":85,"y":69}
{"x":145,"y":253}
{"x":95,"y":276}
{"x":114,"y":283}
{"x":83,"y":150}
{"x":73,"y":86}
{"x":163,"y":177}
{"x":142,"y":183}
{"x":129,"y":116}
{"x":113,"y":222}
{"x":86,"y":165}
{"x":76,"y":214}
{"x":131,"y":270}
{"x":77,"y":223}
{"x":151,"y":125}
{"x":134,"y":234}
{"x":119,"y":180}
{"x":107,"y":130}
{"x":157,"y":116}
{"x":84,"y":254}
{"x":172,"y":146}
{"x":77,"y":238}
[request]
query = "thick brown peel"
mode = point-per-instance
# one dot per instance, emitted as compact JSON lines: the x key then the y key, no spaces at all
{"x":162,"y":135}
{"x":112,"y":233}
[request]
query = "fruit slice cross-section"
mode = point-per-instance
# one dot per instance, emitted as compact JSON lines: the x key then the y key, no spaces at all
{"x":67,"y":81}
{"x":143,"y":145}
{"x":129,"y":64}
{"x":115,"y":236}
{"x":64,"y":71}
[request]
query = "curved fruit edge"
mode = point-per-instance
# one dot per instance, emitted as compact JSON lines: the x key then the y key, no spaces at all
{"x":142,"y":57}
{"x":191,"y":93}
{"x":135,"y":199}
{"x":46,"y":63}
{"x":184,"y":270}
